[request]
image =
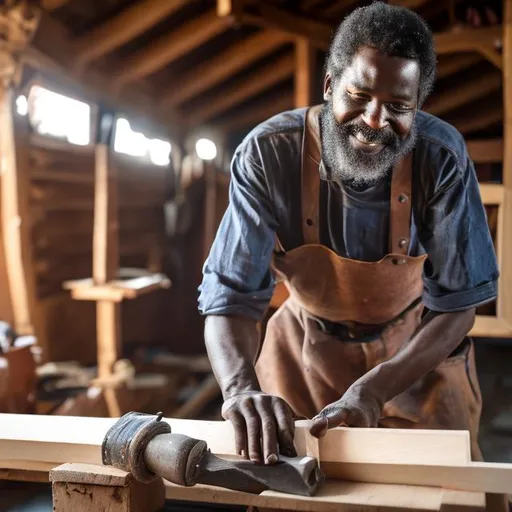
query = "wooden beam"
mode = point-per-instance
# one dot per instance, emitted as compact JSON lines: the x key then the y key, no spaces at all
{"x":485,"y":151}
{"x":254,"y":114}
{"x":410,"y":4}
{"x":473,"y":121}
{"x":258,"y":81}
{"x":127,"y":25}
{"x":336,"y":8}
{"x":305,"y":73}
{"x":295,"y":25}
{"x":507,"y":93}
{"x":481,"y":40}
{"x":57,"y":439}
{"x":169,"y":48}
{"x":221,"y":67}
{"x":456,"y":97}
{"x":504,"y":304}
{"x":52,"y":5}
{"x":457,"y":62}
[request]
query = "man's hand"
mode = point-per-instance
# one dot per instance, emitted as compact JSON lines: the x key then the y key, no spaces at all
{"x":263,"y":424}
{"x":358,"y":407}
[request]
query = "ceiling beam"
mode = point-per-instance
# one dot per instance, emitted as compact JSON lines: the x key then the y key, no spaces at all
{"x":259,"y":80}
{"x":124,"y":27}
{"x":456,"y":97}
{"x":52,"y":5}
{"x":455,"y":63}
{"x":255,"y":113}
{"x":170,"y":47}
{"x":481,"y":40}
{"x":269,"y":16}
{"x":473,"y":122}
{"x":485,"y":151}
{"x":220,"y":68}
{"x":410,"y":4}
{"x":51,"y":52}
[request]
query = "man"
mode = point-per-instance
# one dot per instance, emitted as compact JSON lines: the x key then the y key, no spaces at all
{"x":369,"y":210}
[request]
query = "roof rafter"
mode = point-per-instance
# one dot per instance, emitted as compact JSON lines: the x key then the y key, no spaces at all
{"x":258,"y":81}
{"x":479,"y":121}
{"x":52,"y":5}
{"x":459,"y":96}
{"x":255,"y":113}
{"x":170,"y":47}
{"x":124,"y":27}
{"x":224,"y":65}
{"x":457,"y":63}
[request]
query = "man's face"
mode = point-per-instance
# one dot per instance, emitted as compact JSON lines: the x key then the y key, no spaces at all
{"x":368,"y":119}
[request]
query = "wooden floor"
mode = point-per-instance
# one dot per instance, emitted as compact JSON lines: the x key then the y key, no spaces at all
{"x":494,"y":360}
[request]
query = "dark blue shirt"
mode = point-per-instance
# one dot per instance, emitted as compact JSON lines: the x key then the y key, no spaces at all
{"x":448,"y":219}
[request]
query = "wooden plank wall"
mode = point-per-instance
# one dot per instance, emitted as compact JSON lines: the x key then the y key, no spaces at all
{"x":61,"y":206}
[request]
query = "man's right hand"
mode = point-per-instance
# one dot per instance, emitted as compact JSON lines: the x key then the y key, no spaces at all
{"x":264,"y":426}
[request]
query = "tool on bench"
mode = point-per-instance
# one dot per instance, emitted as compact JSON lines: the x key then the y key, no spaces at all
{"x":143,"y":445}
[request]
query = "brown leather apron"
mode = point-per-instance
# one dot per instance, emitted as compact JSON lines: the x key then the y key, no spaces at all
{"x":343,"y":317}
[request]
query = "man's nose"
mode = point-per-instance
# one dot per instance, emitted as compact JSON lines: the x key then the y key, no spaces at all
{"x":374,"y":116}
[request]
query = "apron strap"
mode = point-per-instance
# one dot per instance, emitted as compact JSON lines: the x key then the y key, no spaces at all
{"x":400,"y":206}
{"x":311,"y":176}
{"x":401,"y":186}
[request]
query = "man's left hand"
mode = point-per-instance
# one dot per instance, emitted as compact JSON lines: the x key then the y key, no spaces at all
{"x":358,"y":407}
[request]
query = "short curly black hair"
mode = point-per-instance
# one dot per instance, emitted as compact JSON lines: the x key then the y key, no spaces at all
{"x":394,"y":31}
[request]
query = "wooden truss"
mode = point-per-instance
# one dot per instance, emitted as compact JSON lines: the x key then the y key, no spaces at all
{"x":425,"y":469}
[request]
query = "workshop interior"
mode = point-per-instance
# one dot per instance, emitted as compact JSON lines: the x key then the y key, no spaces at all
{"x":121,"y":122}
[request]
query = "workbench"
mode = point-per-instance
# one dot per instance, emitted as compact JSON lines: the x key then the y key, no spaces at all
{"x":366,"y":469}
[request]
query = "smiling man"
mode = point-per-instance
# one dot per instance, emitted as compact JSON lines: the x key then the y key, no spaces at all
{"x":369,"y":210}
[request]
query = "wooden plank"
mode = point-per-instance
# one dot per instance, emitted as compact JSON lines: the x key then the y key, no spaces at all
{"x":507,"y":94}
{"x":222,"y":66}
{"x":445,"y":101}
{"x":119,"y":30}
{"x":14,"y":220}
{"x":504,"y":304}
{"x":252,"y":84}
{"x":105,"y":237}
{"x":333,"y":496}
{"x":486,"y":151}
{"x":492,"y":193}
{"x":305,"y":72}
{"x":490,"y":326}
{"x":108,"y":335}
{"x":169,"y":48}
{"x":68,"y":439}
{"x":462,"y":501}
{"x":474,"y":476}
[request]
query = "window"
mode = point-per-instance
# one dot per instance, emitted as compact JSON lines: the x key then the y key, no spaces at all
{"x":59,"y":116}
{"x":133,"y":143}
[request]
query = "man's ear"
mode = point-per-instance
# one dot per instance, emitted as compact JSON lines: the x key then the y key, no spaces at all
{"x":327,"y":86}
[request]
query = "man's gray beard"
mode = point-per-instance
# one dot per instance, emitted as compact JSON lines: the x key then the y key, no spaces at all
{"x":354,"y":167}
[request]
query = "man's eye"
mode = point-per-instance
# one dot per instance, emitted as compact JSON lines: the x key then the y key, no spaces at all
{"x":358,"y":96}
{"x":400,"y":107}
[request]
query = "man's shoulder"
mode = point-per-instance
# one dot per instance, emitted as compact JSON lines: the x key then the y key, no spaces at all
{"x":276,"y":133}
{"x":440,"y":139}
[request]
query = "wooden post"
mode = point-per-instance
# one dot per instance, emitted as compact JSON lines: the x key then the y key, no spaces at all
{"x":305,"y":56}
{"x":84,"y":487}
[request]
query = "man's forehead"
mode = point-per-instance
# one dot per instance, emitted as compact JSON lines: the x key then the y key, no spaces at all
{"x":371,"y":69}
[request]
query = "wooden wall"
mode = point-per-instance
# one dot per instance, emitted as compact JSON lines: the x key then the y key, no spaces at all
{"x":61,"y":208}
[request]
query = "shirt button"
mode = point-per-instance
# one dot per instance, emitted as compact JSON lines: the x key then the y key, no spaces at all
{"x":403,"y":198}
{"x":402,"y":242}
{"x":398,"y":261}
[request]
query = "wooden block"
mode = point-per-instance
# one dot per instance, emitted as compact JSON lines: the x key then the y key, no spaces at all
{"x":462,"y":501}
{"x":86,"y":487}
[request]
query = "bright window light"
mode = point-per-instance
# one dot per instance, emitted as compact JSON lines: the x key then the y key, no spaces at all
{"x":206,"y":149}
{"x":22,"y":105}
{"x":58,"y":116}
{"x":133,"y":143}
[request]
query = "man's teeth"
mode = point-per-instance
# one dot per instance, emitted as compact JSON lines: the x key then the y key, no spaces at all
{"x":361,"y":138}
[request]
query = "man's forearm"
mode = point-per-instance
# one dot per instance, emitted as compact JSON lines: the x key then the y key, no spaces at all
{"x":232,"y":343}
{"x":437,"y":337}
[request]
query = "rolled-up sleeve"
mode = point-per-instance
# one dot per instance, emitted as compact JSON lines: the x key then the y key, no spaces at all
{"x":237,"y":279}
{"x":461,"y":271}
